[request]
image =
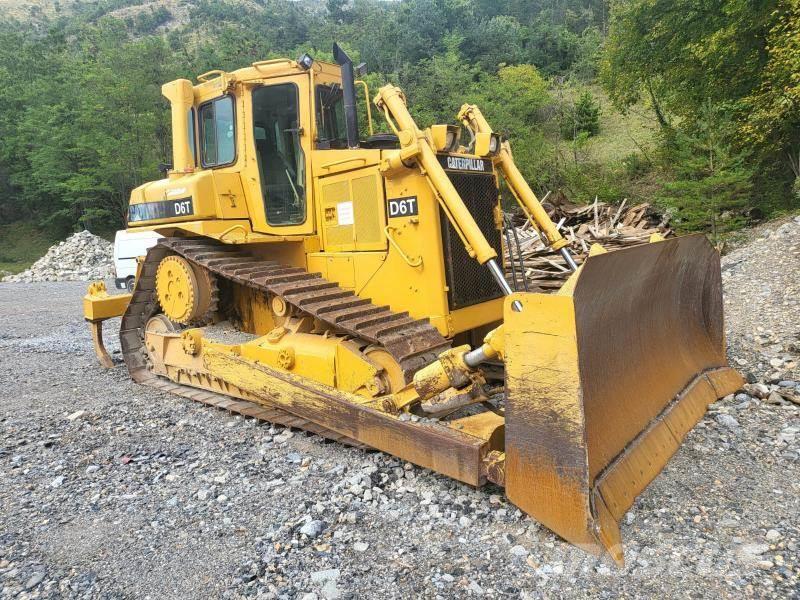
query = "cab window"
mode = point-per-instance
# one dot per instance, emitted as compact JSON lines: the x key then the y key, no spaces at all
{"x":218,"y":142}
{"x":331,"y":129}
{"x":280,"y":157}
{"x":190,"y":129}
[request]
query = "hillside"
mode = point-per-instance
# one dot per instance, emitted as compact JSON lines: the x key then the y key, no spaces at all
{"x":89,"y":123}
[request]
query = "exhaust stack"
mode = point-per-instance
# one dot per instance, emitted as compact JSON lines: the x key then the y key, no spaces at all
{"x":180,"y":93}
{"x":349,"y":94}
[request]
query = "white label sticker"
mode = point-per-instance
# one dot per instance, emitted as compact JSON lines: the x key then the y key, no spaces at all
{"x":344,"y":213}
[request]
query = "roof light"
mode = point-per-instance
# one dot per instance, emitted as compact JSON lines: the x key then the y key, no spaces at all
{"x":305,"y":61}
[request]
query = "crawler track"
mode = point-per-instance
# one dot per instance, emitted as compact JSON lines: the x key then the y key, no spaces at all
{"x":413,"y":343}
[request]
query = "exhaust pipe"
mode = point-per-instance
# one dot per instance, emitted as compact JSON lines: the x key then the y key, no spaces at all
{"x":349,"y":94}
{"x":180,"y":94}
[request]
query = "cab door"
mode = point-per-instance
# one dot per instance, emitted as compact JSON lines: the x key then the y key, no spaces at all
{"x":278,"y":176}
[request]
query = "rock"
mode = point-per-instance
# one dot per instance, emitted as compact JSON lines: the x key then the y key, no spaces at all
{"x":765,"y":565}
{"x":753,"y":550}
{"x":759,"y":390}
{"x":772,"y":535}
{"x":787,"y":384}
{"x":203,"y":494}
{"x":57,"y":482}
{"x":313,"y":529}
{"x":741,"y":397}
{"x":727,"y":421}
{"x":81,"y":257}
{"x":329,"y":591}
{"x":475,"y":588}
{"x":775,"y":398}
{"x":360,"y":546}
{"x":35,"y":580}
{"x":776,"y":363}
{"x":519,"y":550}
{"x":76,"y":415}
{"x":92,"y":469}
{"x":325,"y":575}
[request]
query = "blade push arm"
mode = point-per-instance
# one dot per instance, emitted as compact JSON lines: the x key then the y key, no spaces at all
{"x":472,"y":118}
{"x":416,"y":147}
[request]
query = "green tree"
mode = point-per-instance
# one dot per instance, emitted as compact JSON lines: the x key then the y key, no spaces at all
{"x":713,"y":183}
{"x":582,"y":118}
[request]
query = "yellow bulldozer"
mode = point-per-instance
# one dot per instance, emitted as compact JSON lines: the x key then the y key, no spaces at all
{"x":352,"y":286}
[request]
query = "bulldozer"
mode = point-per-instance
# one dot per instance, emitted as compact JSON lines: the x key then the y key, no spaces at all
{"x":352,"y":285}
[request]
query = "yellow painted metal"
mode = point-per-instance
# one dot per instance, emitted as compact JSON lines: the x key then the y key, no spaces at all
{"x":604,"y":377}
{"x":413,"y":262}
{"x":99,"y":305}
{"x":178,"y":290}
{"x":353,"y":210}
{"x":604,"y":382}
{"x":487,"y":425}
{"x":180,"y":94}
{"x":445,"y":137}
{"x":393,"y":99}
{"x":471,"y":317}
{"x":443,"y":449}
{"x":472,"y":118}
{"x":332,"y":361}
{"x":486,"y":143}
{"x":406,"y":274}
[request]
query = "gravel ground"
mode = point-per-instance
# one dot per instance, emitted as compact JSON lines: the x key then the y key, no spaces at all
{"x":763,"y":314}
{"x":108,"y":489}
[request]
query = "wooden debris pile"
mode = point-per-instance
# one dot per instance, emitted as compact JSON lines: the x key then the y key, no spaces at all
{"x":613,"y":226}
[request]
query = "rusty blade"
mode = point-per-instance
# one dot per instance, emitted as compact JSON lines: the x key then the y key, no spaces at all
{"x":604,"y":384}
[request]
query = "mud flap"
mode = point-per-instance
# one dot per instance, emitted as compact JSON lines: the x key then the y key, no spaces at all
{"x":605,"y":380}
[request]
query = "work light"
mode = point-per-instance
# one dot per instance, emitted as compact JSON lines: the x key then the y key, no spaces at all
{"x":445,"y":137}
{"x":487,"y":144}
{"x":305,"y":61}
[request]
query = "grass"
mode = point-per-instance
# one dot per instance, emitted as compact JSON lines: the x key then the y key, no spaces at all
{"x":22,"y":244}
{"x":620,"y":134}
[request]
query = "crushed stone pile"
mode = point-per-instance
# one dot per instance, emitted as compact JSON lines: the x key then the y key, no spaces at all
{"x":81,"y":257}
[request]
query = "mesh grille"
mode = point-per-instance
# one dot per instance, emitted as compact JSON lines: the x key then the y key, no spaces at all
{"x":367,"y":210}
{"x":335,"y":235}
{"x":468,"y":281}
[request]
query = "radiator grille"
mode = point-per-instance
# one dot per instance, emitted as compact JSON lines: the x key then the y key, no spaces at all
{"x":468,"y":281}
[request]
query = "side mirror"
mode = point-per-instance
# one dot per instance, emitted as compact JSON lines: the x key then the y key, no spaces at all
{"x":164,"y":168}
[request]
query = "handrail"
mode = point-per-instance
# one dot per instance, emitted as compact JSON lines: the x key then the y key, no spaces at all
{"x":327,"y":166}
{"x":205,"y":76}
{"x":366,"y":98}
{"x":273,"y":61}
{"x":411,"y":262}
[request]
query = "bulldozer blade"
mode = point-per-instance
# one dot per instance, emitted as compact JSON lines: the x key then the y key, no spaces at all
{"x":605,"y":379}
